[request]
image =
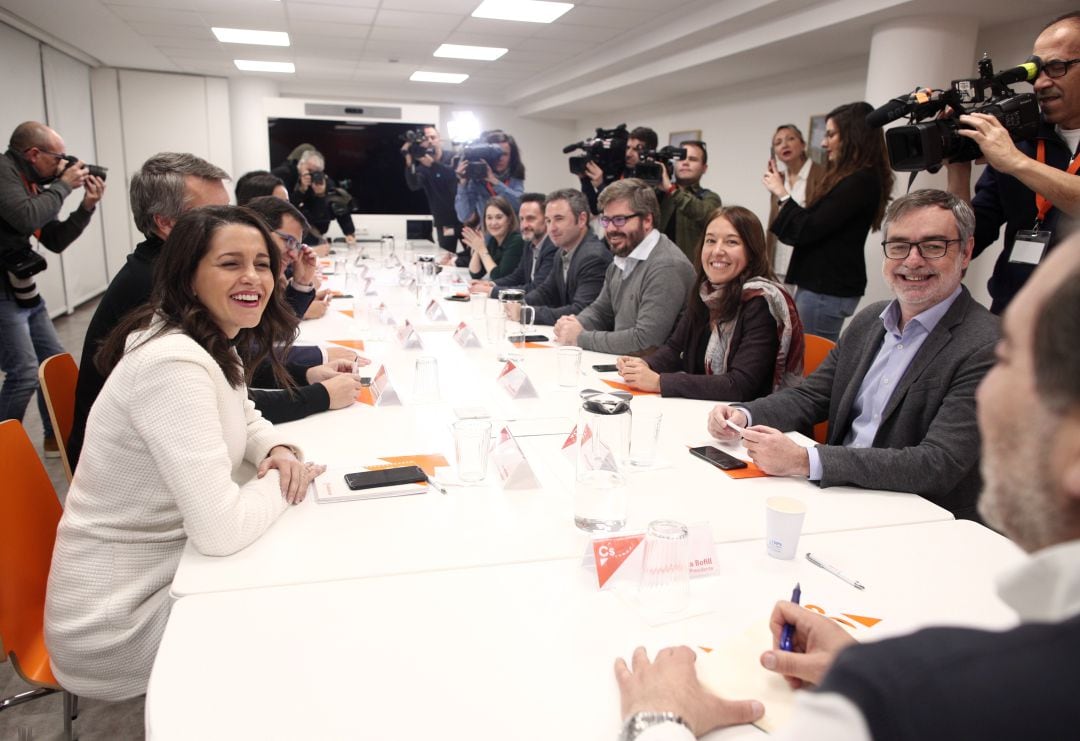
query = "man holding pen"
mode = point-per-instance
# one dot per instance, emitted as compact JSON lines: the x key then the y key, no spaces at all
{"x":944,"y":682}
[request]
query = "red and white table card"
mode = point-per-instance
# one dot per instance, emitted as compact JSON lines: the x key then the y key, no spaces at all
{"x":465,"y":336}
{"x":510,"y":463}
{"x":515,"y":382}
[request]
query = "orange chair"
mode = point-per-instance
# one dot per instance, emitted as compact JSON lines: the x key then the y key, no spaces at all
{"x":817,"y":349}
{"x":58,"y":376}
{"x":29,"y":514}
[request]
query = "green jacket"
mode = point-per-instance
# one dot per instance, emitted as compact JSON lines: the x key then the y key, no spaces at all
{"x":693,"y":207}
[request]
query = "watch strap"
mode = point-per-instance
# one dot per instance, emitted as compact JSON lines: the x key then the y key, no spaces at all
{"x":636,"y":724}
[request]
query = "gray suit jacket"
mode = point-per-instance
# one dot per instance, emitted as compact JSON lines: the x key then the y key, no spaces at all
{"x":556,"y":297}
{"x":928,"y":441}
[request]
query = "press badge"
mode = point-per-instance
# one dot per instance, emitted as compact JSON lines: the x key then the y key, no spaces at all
{"x":1029,"y":246}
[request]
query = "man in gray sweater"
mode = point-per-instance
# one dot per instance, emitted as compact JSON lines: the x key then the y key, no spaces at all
{"x":645,"y":286}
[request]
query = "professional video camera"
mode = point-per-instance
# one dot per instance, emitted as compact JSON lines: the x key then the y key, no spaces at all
{"x":922,"y":145}
{"x":478,"y":154}
{"x":607,"y":149}
{"x":96,"y":170}
{"x":648,"y":168}
{"x":417,"y":148}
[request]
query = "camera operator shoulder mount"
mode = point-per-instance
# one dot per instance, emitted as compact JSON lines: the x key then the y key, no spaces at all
{"x":924,"y":145}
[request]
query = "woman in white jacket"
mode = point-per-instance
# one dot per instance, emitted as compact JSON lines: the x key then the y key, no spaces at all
{"x":174,"y":451}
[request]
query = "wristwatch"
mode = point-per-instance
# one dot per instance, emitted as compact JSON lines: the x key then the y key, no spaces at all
{"x":637,"y":723}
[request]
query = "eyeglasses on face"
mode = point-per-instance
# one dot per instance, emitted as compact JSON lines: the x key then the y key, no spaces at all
{"x":1056,"y":68}
{"x":930,"y":249}
{"x":619,"y":221}
{"x":291,"y":242}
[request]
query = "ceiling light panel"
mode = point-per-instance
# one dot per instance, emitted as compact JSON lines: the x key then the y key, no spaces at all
{"x":462,"y":51}
{"x":247,"y":36}
{"x":528,"y":11}
{"x":249,"y":65}
{"x":452,"y":78}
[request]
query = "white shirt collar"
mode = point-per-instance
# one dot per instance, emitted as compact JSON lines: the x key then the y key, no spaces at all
{"x":1046,"y":587}
{"x":638,"y":254}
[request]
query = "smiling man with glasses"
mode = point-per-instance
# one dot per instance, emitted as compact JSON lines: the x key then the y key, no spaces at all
{"x":1031,"y":188}
{"x":645,"y":286}
{"x":898,"y":390}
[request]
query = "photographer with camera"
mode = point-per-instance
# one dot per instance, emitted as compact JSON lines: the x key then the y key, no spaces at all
{"x":595,"y":177}
{"x":684,"y":205}
{"x":320,"y":199}
{"x":35,"y":179}
{"x":489,"y":167}
{"x":429,"y":168}
{"x":1030,"y":187}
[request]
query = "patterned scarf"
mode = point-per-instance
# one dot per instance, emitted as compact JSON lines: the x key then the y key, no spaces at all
{"x":788,"y":370}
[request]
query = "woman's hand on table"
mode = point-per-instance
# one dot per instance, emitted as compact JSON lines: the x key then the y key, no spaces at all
{"x":637,"y":373}
{"x":294,"y":474}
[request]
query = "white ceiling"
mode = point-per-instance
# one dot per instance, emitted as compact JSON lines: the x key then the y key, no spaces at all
{"x":601,"y":55}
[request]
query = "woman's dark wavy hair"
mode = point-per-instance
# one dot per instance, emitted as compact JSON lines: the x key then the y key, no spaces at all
{"x":173,"y":299}
{"x":861,"y":148}
{"x":757,"y":266}
{"x":515,"y":169}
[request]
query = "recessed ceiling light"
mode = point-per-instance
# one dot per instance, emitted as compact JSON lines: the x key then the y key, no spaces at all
{"x":530,"y":11}
{"x":247,"y":36}
{"x":450,"y":77}
{"x":461,"y":51}
{"x":248,"y":65}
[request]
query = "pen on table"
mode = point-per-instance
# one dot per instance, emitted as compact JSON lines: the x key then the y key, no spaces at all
{"x":835,"y":571}
{"x":431,"y":480}
{"x":787,"y":633}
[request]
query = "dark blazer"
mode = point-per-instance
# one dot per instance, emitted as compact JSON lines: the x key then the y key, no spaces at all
{"x":545,"y":259}
{"x":556,"y":297}
{"x":928,"y":440}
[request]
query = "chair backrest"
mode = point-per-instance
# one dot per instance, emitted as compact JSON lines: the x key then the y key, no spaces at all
{"x":58,"y":376}
{"x":817,"y":349}
{"x":29,"y":514}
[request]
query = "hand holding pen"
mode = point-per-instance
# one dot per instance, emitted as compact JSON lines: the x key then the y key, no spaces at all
{"x":815,"y":641}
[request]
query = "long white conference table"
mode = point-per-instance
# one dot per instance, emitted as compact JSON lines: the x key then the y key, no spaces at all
{"x":362,"y":619}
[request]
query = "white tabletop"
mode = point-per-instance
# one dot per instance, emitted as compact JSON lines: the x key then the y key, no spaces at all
{"x":520,"y":651}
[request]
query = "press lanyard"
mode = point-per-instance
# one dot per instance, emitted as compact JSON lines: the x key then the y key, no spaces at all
{"x":1043,"y":204}
{"x":33,"y":190}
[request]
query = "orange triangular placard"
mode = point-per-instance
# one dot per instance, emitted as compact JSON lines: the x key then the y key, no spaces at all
{"x":869,"y":622}
{"x":365,"y":396}
{"x":354,"y":344}
{"x":346,"y":312}
{"x":611,"y":552}
{"x":706,"y":649}
{"x":427,"y":462}
{"x":627,"y":387}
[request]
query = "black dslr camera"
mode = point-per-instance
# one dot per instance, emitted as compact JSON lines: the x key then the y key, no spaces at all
{"x":648,"y":168}
{"x":922,"y":145}
{"x":417,"y":148}
{"x":480,"y":156}
{"x":318,"y":177}
{"x":607,"y":149}
{"x":96,"y":170}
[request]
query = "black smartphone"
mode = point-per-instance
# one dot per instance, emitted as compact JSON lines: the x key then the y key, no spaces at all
{"x":365,"y":380}
{"x":342,"y":295}
{"x":457,"y":297}
{"x":385,"y":477}
{"x":605,"y":368}
{"x":528,"y":338}
{"x":718,"y":458}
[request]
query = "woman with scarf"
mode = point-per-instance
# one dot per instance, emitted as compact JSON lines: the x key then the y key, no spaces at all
{"x":740,"y":336}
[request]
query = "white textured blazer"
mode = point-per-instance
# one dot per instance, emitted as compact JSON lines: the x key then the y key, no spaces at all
{"x":170,"y":454}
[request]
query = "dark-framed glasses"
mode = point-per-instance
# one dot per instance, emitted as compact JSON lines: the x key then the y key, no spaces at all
{"x":930,"y":249}
{"x":619,"y":221}
{"x":291,"y":242}
{"x":1056,"y":68}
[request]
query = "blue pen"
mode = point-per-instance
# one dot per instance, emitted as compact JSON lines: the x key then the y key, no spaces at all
{"x":788,"y":631}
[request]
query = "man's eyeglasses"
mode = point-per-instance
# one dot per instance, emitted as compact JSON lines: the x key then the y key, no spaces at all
{"x":1056,"y":68}
{"x":291,"y":242}
{"x":930,"y":249}
{"x":618,"y":221}
{"x":58,"y":155}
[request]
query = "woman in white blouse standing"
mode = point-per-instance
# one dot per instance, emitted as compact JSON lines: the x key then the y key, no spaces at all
{"x":788,"y":156}
{"x":174,"y":451}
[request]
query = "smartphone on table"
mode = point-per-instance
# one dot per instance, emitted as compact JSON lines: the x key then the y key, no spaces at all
{"x":718,"y":458}
{"x":385,"y":477}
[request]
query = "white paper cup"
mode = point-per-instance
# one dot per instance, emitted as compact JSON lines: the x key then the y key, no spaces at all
{"x":783,"y":524}
{"x":569,"y":358}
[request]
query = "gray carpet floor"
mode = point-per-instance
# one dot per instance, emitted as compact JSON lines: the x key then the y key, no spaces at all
{"x":43,"y":718}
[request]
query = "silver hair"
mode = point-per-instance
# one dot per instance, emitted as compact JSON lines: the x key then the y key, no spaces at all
{"x":931,"y":197}
{"x":158,"y":188}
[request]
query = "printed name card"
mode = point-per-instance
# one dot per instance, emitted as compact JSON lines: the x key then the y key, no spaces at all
{"x":618,"y":558}
{"x":569,"y":446}
{"x":514,"y":471}
{"x":513,"y":381}
{"x":382,"y":391}
{"x":367,"y":286}
{"x":434,"y":312}
{"x":408,"y":337}
{"x":383,"y":312}
{"x":362,"y":270}
{"x":465,"y":337}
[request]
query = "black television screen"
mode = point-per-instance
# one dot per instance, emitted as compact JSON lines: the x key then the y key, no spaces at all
{"x":368,"y":155}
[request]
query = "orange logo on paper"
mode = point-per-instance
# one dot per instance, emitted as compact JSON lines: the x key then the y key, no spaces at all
{"x":610,"y":553}
{"x":868,"y":622}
